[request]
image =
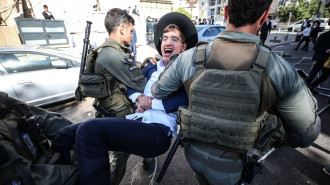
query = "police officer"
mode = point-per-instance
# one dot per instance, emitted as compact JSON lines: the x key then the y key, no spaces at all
{"x":234,"y":85}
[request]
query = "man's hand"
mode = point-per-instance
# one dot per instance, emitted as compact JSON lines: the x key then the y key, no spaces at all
{"x":153,"y":60}
{"x":139,"y":109}
{"x":145,"y":102}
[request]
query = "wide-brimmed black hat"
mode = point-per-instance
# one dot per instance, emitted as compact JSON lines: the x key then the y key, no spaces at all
{"x":180,"y":20}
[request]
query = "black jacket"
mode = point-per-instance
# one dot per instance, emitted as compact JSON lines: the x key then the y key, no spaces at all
{"x":46,"y":16}
{"x":265,"y":28}
{"x":314,"y":32}
{"x":322,"y":44}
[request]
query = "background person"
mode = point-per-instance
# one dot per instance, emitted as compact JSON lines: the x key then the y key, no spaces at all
{"x":215,"y":124}
{"x":265,"y":30}
{"x":306,"y":34}
{"x":47,"y":14}
{"x":315,"y":31}
{"x":136,"y":11}
{"x":304,"y":25}
{"x":322,"y":53}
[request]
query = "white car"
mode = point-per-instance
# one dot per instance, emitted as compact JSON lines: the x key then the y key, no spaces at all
{"x":38,"y":75}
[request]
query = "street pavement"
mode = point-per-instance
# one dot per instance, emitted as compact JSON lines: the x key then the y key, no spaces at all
{"x":284,"y":166}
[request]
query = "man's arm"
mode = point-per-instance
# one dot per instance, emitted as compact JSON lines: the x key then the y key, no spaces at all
{"x":124,"y":71}
{"x":296,"y":106}
{"x":175,"y":74}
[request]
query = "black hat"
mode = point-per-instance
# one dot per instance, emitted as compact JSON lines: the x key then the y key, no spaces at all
{"x":180,"y":20}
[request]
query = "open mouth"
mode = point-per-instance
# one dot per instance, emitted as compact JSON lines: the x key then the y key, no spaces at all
{"x":168,"y":51}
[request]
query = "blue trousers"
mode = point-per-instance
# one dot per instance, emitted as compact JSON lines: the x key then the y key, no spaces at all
{"x":95,"y":137}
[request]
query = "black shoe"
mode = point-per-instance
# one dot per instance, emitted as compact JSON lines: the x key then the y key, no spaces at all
{"x":147,"y":163}
{"x":296,"y":49}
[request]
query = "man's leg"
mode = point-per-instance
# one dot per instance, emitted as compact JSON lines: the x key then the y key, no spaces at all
{"x":306,"y":44}
{"x":64,"y":142}
{"x":95,"y":137}
{"x":118,"y":166}
{"x":322,"y":78}
{"x":302,"y":40}
{"x":317,"y":66}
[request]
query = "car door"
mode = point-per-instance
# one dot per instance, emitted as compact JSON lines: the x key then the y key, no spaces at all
{"x":36,"y":81}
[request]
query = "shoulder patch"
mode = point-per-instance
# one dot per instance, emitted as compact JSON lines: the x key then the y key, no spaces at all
{"x":134,"y":67}
{"x":128,"y":60}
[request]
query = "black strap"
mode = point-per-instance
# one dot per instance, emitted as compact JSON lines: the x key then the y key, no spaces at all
{"x":3,"y":102}
{"x":200,"y":53}
{"x":262,"y":58}
{"x":112,"y":84}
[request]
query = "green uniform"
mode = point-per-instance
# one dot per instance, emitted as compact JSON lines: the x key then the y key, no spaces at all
{"x":115,"y":63}
{"x":120,"y":70}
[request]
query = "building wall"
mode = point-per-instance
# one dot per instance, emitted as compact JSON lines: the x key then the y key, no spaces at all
{"x":208,"y":8}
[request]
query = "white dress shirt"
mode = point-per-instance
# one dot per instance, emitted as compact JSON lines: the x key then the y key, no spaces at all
{"x":306,"y":32}
{"x":157,"y":113}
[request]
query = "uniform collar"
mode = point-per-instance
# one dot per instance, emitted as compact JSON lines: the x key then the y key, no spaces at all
{"x":236,"y":36}
{"x":120,"y":46}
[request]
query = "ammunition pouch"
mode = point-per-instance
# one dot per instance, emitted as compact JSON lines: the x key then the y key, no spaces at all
{"x":93,"y":85}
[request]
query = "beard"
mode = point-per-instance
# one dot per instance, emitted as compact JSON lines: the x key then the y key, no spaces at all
{"x":127,"y":44}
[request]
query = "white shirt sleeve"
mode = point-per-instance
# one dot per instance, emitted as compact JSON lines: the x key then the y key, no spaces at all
{"x":157,"y":104}
{"x":134,"y":96}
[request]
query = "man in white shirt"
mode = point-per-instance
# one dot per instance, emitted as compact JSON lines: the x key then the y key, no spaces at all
{"x":305,"y":33}
{"x":147,"y":133}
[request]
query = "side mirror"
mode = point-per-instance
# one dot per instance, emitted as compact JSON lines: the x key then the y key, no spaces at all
{"x":59,"y":64}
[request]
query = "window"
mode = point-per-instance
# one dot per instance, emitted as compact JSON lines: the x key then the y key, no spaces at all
{"x":212,"y":11}
{"x":202,"y":3}
{"x":24,"y":62}
{"x":212,"y":32}
{"x":212,"y":3}
{"x":218,"y":1}
{"x":218,"y":11}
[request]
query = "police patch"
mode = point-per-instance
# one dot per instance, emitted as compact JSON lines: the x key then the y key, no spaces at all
{"x":128,"y":60}
{"x":132,"y":68}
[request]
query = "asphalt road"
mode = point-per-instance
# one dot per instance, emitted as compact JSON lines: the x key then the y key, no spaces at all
{"x":285,"y":166}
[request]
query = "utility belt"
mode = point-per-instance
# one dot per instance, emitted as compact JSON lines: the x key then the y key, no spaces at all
{"x":105,"y":112}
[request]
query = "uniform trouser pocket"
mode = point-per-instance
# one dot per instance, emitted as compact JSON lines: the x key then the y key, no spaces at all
{"x":216,"y":170}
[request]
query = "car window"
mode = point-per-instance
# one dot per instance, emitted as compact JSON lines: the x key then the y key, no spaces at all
{"x":23,"y":62}
{"x":212,"y":32}
{"x":198,"y":28}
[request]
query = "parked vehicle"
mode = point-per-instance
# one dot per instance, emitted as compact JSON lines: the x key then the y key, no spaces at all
{"x":297,"y":25}
{"x":208,"y":32}
{"x":324,"y":24}
{"x":38,"y":75}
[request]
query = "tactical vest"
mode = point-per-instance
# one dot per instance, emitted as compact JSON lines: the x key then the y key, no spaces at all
{"x":108,"y":92}
{"x":225,"y":106}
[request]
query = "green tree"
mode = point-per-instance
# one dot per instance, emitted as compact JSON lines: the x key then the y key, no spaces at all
{"x":308,"y":10}
{"x":183,"y":11}
{"x":305,"y":9}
